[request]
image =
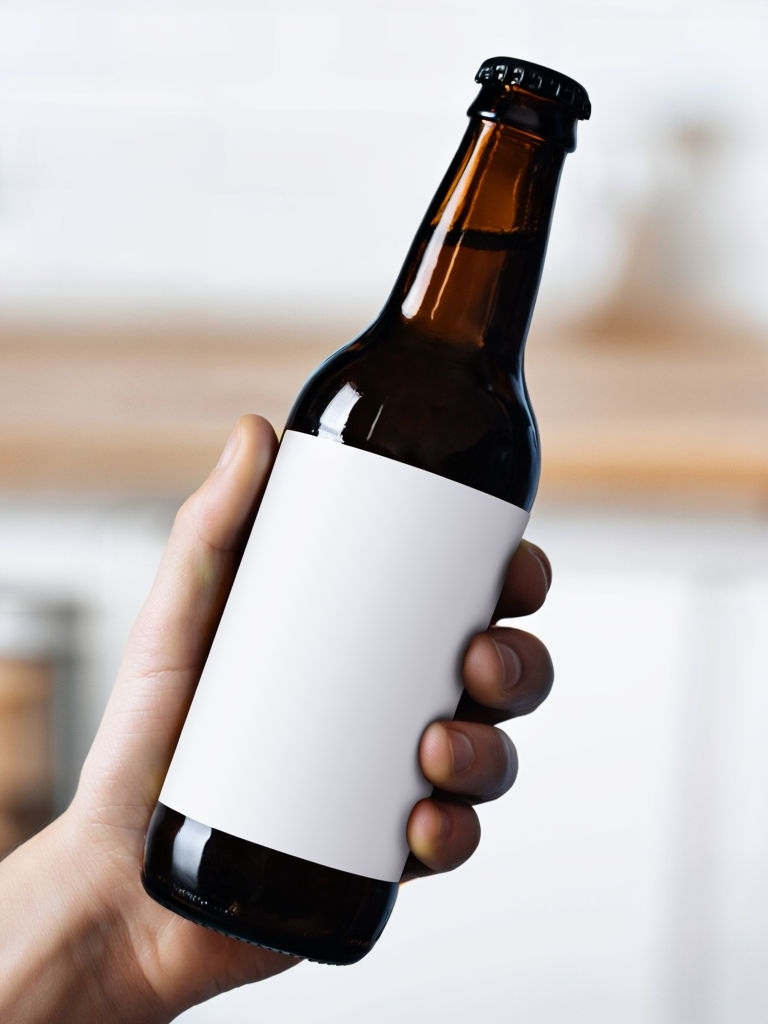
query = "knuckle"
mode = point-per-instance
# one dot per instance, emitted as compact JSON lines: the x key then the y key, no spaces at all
{"x":506,"y":766}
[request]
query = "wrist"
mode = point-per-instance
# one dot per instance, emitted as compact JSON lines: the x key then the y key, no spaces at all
{"x":65,"y":951}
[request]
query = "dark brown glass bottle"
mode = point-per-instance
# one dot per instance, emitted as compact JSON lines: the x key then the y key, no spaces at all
{"x":436,"y":383}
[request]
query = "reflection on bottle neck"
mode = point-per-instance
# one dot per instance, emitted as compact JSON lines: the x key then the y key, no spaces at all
{"x":481,"y":247}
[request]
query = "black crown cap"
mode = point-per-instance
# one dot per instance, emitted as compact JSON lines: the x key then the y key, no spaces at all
{"x":534,"y":78}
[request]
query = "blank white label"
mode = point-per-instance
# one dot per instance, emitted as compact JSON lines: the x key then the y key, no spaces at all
{"x":361,"y":585}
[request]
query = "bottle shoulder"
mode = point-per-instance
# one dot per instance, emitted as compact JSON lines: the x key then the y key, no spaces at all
{"x":451,"y":410}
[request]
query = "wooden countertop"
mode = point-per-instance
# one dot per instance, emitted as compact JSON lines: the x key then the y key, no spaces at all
{"x":650,"y":415}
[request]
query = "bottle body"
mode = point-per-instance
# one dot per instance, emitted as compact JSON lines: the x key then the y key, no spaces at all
{"x":264,"y":896}
{"x":429,"y":460}
{"x":327,"y":696}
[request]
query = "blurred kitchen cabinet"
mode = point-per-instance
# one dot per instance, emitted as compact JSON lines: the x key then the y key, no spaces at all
{"x":32,"y":640}
{"x":624,"y":878}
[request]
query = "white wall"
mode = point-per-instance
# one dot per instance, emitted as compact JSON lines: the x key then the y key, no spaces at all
{"x":624,"y":877}
{"x":236,"y":155}
{"x":239,"y":156}
{"x":95,"y":564}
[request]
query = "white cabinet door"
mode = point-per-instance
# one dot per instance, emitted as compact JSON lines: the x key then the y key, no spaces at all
{"x":624,"y":877}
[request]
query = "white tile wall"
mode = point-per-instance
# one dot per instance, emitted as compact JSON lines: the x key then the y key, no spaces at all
{"x":240,"y":155}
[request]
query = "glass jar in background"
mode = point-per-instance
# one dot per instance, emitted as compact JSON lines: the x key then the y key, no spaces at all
{"x":32,"y":637}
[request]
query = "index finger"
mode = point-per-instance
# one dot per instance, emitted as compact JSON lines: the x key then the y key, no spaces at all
{"x":528,"y":578}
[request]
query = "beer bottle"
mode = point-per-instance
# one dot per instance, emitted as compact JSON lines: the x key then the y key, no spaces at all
{"x":402,"y":486}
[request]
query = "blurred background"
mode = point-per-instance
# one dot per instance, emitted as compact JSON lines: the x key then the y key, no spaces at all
{"x":198,"y":202}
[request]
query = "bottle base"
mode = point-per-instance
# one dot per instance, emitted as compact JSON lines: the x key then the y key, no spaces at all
{"x":261,"y":896}
{"x":181,"y":902}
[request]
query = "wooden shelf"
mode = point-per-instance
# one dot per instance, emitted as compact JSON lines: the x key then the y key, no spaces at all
{"x":655,"y":417}
{"x":650,"y":416}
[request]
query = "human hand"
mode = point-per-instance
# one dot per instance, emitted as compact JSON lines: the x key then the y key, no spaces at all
{"x":507,"y":673}
{"x":126,"y":957}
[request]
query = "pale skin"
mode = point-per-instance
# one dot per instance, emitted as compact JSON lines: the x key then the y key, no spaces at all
{"x":80,"y":941}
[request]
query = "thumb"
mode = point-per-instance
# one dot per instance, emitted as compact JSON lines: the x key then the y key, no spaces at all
{"x":173,"y":633}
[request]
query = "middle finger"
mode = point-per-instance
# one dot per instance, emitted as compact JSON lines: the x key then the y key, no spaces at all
{"x":468,"y":759}
{"x":507,"y":673}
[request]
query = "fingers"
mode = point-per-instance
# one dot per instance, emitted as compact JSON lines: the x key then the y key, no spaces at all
{"x":468,"y":759}
{"x":467,"y":763}
{"x":442,"y":835}
{"x":507,"y":673}
{"x":528,"y":578}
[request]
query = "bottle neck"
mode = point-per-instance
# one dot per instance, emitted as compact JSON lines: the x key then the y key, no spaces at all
{"x":474,"y":268}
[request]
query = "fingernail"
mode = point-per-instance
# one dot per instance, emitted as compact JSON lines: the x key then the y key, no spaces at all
{"x":511,"y":666}
{"x":544,"y":564}
{"x":229,"y":448}
{"x":462,"y":751}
